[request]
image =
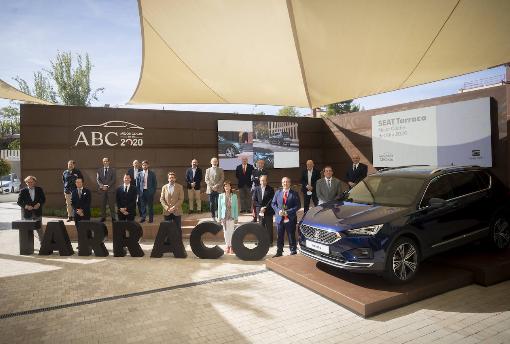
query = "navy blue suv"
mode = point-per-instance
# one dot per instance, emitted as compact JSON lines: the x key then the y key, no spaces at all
{"x":393,"y":219}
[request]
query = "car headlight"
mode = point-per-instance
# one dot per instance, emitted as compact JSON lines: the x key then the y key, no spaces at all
{"x":368,"y":230}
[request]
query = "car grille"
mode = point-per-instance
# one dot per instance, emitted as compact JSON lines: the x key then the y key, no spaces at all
{"x":318,"y":235}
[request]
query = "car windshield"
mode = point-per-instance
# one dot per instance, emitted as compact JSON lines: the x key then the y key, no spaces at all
{"x":386,"y":190}
{"x":6,"y":179}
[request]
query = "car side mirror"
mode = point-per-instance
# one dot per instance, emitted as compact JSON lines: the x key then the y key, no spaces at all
{"x":436,"y":203}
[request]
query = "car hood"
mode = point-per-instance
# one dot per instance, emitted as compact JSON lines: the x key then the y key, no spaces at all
{"x":340,"y":216}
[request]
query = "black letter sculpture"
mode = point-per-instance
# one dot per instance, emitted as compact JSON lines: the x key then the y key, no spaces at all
{"x":168,"y":239}
{"x":26,"y":234}
{"x":245,"y":253}
{"x":197,"y":245}
{"x":120,"y":240}
{"x":56,"y":239}
{"x":91,"y":236}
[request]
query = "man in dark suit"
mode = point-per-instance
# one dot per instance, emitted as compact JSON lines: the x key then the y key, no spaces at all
{"x":309,"y":179}
{"x":357,"y":172}
{"x":255,"y":178}
{"x":126,"y":200}
{"x":147,"y":185}
{"x":285,"y":204}
{"x":105,"y":178}
{"x":81,"y":198}
{"x":68,"y":178}
{"x":193,"y":179}
{"x":262,"y":197}
{"x":31,"y":200}
{"x":244,"y":182}
{"x":133,"y":173}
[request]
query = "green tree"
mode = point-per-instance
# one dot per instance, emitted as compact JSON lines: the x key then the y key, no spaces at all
{"x":14,"y":145}
{"x":342,"y":107}
{"x":9,"y":122}
{"x":5,"y":167}
{"x":289,"y":111}
{"x":71,"y":81}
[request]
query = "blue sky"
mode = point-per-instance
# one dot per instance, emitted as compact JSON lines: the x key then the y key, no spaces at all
{"x":33,"y":31}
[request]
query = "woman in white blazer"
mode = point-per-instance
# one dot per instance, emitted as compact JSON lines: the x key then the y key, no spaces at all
{"x":228,"y":213}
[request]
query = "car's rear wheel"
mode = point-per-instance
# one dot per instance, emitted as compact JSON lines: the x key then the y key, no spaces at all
{"x":403,"y":261}
{"x":230,"y":152}
{"x":500,"y":232}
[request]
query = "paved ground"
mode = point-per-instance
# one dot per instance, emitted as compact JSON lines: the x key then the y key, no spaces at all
{"x":125,"y":300}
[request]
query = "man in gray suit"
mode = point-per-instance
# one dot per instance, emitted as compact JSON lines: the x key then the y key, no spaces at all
{"x":328,"y":188}
{"x":105,"y":178}
{"x":214,"y":178}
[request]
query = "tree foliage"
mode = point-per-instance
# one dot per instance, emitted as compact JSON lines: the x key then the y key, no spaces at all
{"x":289,"y":111}
{"x":9,"y":122}
{"x":65,"y":82}
{"x":5,"y":167}
{"x":342,"y":107}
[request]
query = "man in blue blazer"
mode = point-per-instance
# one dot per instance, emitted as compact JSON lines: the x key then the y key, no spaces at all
{"x":285,"y":204}
{"x":193,"y":179}
{"x":147,"y":185}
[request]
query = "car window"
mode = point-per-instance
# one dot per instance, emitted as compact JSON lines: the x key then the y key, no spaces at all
{"x":464,"y":183}
{"x":484,"y":179}
{"x":438,"y":188}
{"x":387,"y":190}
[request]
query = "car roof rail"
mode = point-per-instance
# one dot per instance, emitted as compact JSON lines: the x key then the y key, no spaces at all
{"x":453,"y":167}
{"x":397,"y":167}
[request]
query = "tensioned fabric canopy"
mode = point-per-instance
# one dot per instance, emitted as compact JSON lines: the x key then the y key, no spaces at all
{"x":312,"y":52}
{"x":9,"y":92}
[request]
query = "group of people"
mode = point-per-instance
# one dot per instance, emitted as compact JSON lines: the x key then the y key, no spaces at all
{"x":256,"y":196}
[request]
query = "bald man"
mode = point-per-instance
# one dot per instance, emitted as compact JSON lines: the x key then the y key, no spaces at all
{"x":357,"y":172}
{"x":309,"y":179}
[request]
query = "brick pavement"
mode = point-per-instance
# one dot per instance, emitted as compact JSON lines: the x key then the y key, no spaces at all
{"x":262,"y":307}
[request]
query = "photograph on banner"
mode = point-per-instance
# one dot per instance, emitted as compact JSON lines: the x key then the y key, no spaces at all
{"x":277,"y":143}
{"x":235,"y":140}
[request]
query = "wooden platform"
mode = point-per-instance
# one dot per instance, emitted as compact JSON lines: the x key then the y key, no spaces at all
{"x":364,"y":294}
{"x":488,"y":266}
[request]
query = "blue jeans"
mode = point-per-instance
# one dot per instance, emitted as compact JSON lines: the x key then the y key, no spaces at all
{"x":147,"y":201}
{"x":213,"y":203}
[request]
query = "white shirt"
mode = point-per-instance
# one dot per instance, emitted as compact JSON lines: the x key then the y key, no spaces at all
{"x":354,"y":166}
{"x":194,"y":170}
{"x":126,"y":186}
{"x":262,"y":189}
{"x":32,"y":193}
{"x":80,"y":192}
{"x":171,"y":188}
{"x":328,"y":181}
{"x":310,"y":177}
{"x":145,"y":175}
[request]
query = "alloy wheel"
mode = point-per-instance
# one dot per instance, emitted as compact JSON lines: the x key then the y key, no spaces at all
{"x":501,"y":233}
{"x":405,"y":261}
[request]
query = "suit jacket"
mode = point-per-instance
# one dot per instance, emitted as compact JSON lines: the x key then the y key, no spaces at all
{"x":197,"y":179}
{"x":109,"y":179}
{"x":82,"y":202}
{"x":326,"y":194}
{"x":175,"y":199}
{"x":69,"y":179}
{"x":358,"y":174}
{"x":216,"y":183}
{"x":255,"y":176}
{"x":222,"y":206}
{"x":127,"y":199}
{"x":244,"y":179}
{"x":292,"y":206}
{"x":152,"y":183}
{"x":263,"y":201}
{"x":25,"y":199}
{"x":133,"y":175}
{"x":316,"y":175}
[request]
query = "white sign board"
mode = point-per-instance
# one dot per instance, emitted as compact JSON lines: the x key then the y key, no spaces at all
{"x":449,"y":134}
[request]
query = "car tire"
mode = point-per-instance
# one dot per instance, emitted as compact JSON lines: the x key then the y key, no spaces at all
{"x":230,"y":152}
{"x":403,"y":261}
{"x":499,"y":232}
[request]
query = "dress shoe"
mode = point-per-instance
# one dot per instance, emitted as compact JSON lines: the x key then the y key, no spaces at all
{"x":102,"y":219}
{"x":293,"y":253}
{"x":142,"y":220}
{"x":151,"y":221}
{"x":254,"y":220}
{"x":277,"y":255}
{"x":70,"y":219}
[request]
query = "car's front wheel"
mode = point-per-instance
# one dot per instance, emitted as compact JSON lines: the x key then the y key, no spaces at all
{"x":500,"y":232}
{"x":403,"y":261}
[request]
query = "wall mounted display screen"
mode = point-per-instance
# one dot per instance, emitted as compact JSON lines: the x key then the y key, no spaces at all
{"x":276,"y":143}
{"x":448,"y":134}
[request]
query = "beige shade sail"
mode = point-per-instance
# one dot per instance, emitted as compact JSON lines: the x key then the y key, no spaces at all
{"x":9,"y":92}
{"x":310,"y":53}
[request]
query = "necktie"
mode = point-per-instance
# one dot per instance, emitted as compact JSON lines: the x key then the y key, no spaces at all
{"x":105,"y":171}
{"x":125,"y":189}
{"x":285,"y":198}
{"x":79,"y":193}
{"x":329,"y":183}
{"x":354,"y":167}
